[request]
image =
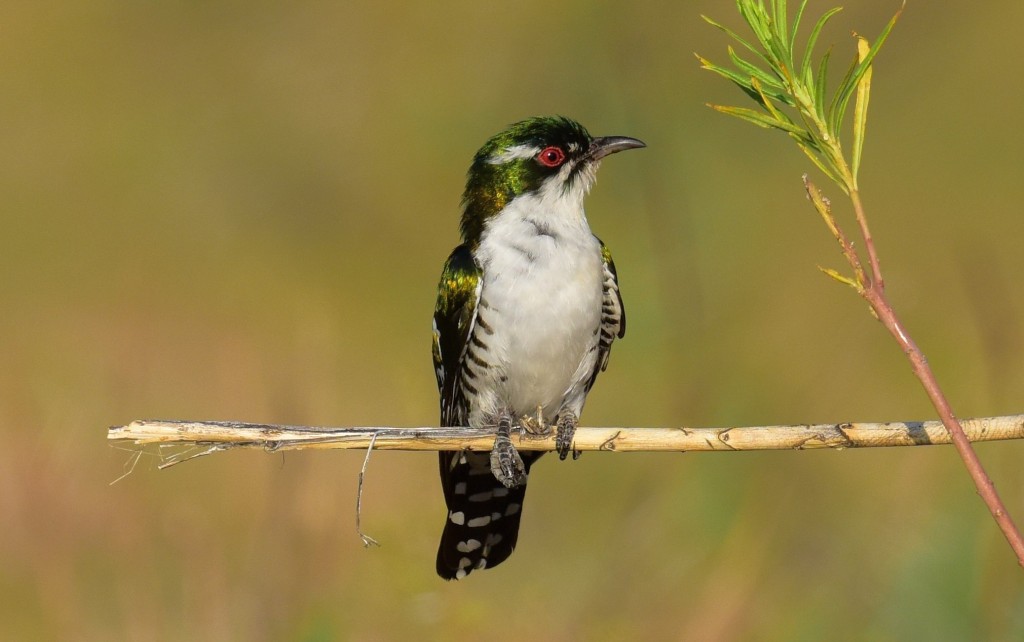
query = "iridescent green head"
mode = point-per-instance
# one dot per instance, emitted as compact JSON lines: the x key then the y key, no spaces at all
{"x":535,"y":153}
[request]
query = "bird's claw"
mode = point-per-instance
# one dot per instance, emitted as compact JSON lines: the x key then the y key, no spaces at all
{"x":535,"y":424}
{"x":506,"y":464}
{"x":567,"y":423}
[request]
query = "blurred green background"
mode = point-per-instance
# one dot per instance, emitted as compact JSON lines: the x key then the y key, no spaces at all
{"x":228,"y":210}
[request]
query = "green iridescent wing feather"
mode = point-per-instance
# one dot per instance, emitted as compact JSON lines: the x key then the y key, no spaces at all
{"x":457,"y":295}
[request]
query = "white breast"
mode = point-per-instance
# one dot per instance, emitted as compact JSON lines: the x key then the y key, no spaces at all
{"x":541,"y":294}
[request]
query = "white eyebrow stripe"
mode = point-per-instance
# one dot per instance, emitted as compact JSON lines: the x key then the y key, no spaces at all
{"x":516,"y":152}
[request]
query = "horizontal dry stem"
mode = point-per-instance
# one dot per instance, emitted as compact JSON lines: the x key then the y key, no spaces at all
{"x":226,"y":434}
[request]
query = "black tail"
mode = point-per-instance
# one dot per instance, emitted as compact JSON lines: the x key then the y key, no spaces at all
{"x":483,"y":516}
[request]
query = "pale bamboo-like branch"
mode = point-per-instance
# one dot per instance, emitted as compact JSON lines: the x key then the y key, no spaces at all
{"x":221,"y":435}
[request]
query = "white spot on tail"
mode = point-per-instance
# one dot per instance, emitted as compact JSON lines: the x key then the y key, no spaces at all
{"x":481,"y":497}
{"x":460,"y":488}
{"x":458,"y":518}
{"x":500,"y":492}
{"x":512,"y":509}
{"x":479,"y":521}
{"x":468,"y":546}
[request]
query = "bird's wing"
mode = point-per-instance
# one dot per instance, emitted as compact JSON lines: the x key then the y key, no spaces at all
{"x":613,"y":314}
{"x":454,"y":316}
{"x":483,"y":516}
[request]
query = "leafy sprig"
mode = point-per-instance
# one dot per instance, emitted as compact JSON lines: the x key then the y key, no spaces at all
{"x":792,"y":92}
{"x":794,"y":98}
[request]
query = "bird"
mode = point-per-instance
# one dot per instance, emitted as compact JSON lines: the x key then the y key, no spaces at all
{"x":527,"y":309}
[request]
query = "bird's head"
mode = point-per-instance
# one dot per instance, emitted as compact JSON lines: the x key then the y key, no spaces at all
{"x":553,"y":154}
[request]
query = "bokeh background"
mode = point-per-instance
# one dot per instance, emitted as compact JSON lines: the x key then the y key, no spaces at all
{"x":228,"y":210}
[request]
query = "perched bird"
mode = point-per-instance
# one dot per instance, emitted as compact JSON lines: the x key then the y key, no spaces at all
{"x":527,"y":309}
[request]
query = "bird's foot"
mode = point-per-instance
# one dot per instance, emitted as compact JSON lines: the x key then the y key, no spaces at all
{"x":567,"y":422}
{"x":535,"y":424}
{"x":506,"y":464}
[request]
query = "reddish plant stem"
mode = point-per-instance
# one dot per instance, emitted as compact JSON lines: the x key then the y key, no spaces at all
{"x":874,"y":294}
{"x":869,"y":243}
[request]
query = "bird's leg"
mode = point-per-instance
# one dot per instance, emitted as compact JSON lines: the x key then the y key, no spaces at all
{"x":567,"y":422}
{"x":506,"y":464}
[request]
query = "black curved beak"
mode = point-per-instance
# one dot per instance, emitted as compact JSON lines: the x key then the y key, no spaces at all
{"x":604,"y":145}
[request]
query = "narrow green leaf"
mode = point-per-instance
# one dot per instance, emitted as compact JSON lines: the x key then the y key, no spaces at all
{"x":781,"y":21}
{"x":821,"y":85}
{"x":778,"y":48}
{"x":837,"y":108}
{"x":743,"y":82}
{"x":816,"y":159}
{"x":767,"y":104}
{"x":729,"y":74}
{"x":812,"y":40}
{"x":735,"y":36}
{"x":796,"y":26}
{"x":845,"y":90}
{"x":860,"y":111}
{"x":776,"y":89}
{"x":757,"y":17}
{"x":759,"y":119}
{"x":807,"y":138}
{"x":780,"y":96}
{"x":807,"y":76}
{"x":753,"y":70}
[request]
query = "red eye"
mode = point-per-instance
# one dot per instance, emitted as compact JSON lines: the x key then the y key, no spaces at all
{"x":551,"y":156}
